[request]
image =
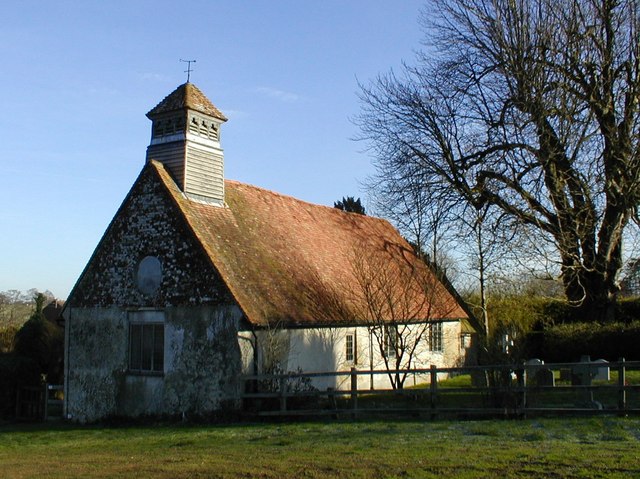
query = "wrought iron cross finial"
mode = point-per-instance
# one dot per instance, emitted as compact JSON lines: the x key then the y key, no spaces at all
{"x":188,"y":70}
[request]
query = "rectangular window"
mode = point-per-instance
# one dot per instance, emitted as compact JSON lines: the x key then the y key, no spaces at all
{"x":146,"y":347}
{"x":436,"y":342}
{"x":465,"y":341}
{"x":390,"y":341}
{"x":350,"y":353}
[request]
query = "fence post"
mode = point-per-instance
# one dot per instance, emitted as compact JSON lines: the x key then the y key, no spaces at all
{"x":17,"y":402}
{"x":354,"y":389}
{"x":622,"y":393}
{"x":283,"y":393}
{"x":523,"y":385}
{"x":433,"y":388}
{"x":45,"y":408}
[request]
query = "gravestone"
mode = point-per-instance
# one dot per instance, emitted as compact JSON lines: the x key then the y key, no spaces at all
{"x":582,"y":374}
{"x":601,"y":371}
{"x":544,"y":377}
{"x":538,"y":376}
{"x":531,"y":366}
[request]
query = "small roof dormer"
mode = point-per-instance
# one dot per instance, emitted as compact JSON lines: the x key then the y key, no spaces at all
{"x":185,"y":136}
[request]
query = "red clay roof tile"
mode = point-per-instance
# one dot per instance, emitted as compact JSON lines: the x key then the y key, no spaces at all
{"x":290,"y":262}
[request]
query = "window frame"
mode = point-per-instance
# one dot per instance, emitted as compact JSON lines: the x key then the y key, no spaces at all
{"x":436,"y":337}
{"x":351,"y":348}
{"x":390,"y":341}
{"x":150,"y":348}
{"x":465,"y":341}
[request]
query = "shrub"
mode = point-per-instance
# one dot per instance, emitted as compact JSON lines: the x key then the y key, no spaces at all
{"x":553,"y":330}
{"x":568,"y":342}
{"x":7,"y":336}
{"x":628,"y":310}
{"x":15,"y":372}
{"x":43,"y":342}
{"x":556,"y":311}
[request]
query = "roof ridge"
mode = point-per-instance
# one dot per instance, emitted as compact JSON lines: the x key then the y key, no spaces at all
{"x":299,"y":200}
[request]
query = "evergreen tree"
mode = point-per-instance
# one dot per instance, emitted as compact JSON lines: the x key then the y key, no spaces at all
{"x":350,"y":204}
{"x":43,"y":342}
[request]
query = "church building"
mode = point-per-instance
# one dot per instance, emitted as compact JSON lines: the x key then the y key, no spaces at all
{"x":198,"y":280}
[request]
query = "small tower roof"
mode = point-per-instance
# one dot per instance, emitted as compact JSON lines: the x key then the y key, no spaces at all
{"x":187,"y":96}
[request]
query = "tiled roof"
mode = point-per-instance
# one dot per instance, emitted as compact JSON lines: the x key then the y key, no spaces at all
{"x":290,"y":262}
{"x":189,"y":96}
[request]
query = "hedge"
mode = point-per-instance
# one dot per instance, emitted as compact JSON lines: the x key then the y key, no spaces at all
{"x":15,"y":372}
{"x":555,"y":311}
{"x":552,"y":330}
{"x":569,"y":342}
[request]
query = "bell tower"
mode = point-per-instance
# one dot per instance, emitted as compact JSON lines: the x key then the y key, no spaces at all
{"x":185,"y":136}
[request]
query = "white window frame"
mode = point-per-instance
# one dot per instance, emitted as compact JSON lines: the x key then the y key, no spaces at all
{"x":465,"y":341}
{"x":390,"y":341}
{"x":351,"y":348}
{"x":436,"y":337}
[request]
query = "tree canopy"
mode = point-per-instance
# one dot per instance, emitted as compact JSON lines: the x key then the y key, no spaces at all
{"x":529,"y":109}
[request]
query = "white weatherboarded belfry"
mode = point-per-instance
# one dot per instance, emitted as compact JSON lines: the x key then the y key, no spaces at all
{"x":199,"y":279}
{"x":186,"y":139}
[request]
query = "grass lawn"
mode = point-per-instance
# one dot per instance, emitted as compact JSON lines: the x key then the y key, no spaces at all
{"x":543,"y":448}
{"x":458,"y":392}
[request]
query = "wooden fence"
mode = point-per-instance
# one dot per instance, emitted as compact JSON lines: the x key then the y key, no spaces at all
{"x":501,"y":390}
{"x":39,"y":403}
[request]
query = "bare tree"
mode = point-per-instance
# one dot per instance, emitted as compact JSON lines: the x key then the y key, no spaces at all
{"x":481,"y":250}
{"x":402,"y":303}
{"x":417,"y":203}
{"x":531,"y":108}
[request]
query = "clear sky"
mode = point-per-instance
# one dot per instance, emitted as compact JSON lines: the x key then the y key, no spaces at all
{"x":79,"y":76}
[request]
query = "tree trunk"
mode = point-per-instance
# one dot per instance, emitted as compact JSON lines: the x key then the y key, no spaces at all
{"x":592,"y":293}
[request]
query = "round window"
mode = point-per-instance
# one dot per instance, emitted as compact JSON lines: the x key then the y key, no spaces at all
{"x":149,"y":275}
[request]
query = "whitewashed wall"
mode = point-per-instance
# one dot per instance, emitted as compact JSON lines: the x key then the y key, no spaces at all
{"x":324,"y":350}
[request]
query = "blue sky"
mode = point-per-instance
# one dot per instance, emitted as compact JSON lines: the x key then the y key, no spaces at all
{"x":79,"y":76}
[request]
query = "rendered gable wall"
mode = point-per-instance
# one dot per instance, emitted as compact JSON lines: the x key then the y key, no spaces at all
{"x":201,"y":353}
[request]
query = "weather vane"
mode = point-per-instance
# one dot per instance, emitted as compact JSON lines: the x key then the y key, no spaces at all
{"x":188,"y":70}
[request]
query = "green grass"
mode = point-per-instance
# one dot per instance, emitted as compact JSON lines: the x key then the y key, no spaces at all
{"x":457,"y":393}
{"x":558,"y":397}
{"x":464,"y":380}
{"x":557,"y":448}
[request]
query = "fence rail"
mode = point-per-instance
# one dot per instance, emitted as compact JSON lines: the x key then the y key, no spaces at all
{"x":39,"y":403}
{"x":587,"y":387}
